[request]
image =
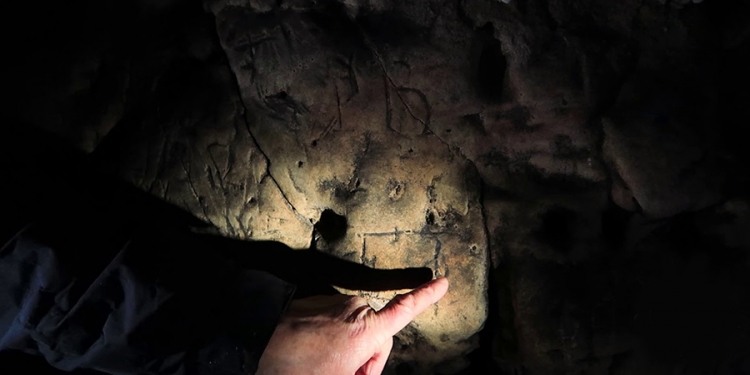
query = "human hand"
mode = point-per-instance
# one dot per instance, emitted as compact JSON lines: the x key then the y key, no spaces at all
{"x":342,"y":335}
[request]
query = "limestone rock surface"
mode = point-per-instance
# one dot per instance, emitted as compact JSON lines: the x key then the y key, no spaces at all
{"x":347,"y":126}
{"x":571,"y":165}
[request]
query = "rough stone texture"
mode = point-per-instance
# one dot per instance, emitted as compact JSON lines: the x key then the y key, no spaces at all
{"x":347,"y":126}
{"x":205,"y":160}
{"x":591,"y":154}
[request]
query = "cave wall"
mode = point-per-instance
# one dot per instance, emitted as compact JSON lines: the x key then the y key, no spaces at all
{"x":570,"y":165}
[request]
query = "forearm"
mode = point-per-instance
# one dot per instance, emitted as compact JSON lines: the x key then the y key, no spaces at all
{"x":150,"y":302}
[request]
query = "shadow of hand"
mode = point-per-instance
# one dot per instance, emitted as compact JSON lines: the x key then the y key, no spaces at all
{"x":313,"y":271}
{"x":91,"y":191}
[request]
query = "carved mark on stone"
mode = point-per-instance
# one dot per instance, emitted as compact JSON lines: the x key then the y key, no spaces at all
{"x":267,"y":172}
{"x":388,"y":105}
{"x":293,"y":179}
{"x":400,"y":92}
{"x":395,"y":189}
{"x":160,"y":161}
{"x":351,"y":76}
{"x":370,"y":262}
{"x":431,"y":192}
{"x":338,"y":105}
{"x":346,"y":191}
{"x":284,"y":107}
{"x":439,"y":267}
{"x":436,"y":257}
{"x":360,"y":159}
{"x":413,"y":101}
{"x":197,"y":197}
{"x":398,"y":232}
{"x":222,"y":187}
{"x":325,"y":132}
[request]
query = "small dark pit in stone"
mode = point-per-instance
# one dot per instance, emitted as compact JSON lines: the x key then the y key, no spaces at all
{"x":395,"y":189}
{"x":314,"y":143}
{"x":430,"y":218}
{"x":331,"y":225}
{"x":447,"y":130}
{"x":300,"y":164}
{"x":473,"y":248}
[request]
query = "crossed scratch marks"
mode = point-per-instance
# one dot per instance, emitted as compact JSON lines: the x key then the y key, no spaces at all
{"x":437,"y":261}
{"x":400,"y":91}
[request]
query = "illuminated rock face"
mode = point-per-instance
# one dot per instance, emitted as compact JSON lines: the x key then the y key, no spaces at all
{"x":349,"y":127}
{"x":345,"y":128}
{"x":524,"y":149}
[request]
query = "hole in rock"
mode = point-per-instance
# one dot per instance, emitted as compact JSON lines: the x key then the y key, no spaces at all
{"x":430,"y":218}
{"x":331,"y":225}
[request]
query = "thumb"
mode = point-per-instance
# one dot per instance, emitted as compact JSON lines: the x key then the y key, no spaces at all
{"x":401,"y":310}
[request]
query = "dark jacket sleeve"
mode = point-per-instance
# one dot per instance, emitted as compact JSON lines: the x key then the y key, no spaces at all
{"x":142,"y":301}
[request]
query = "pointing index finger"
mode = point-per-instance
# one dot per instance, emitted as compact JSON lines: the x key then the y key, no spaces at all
{"x":400,"y":311}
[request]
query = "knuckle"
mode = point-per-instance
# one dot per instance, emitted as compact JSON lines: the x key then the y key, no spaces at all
{"x":406,"y":302}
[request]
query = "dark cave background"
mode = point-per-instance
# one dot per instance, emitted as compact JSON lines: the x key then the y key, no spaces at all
{"x":602,"y":145}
